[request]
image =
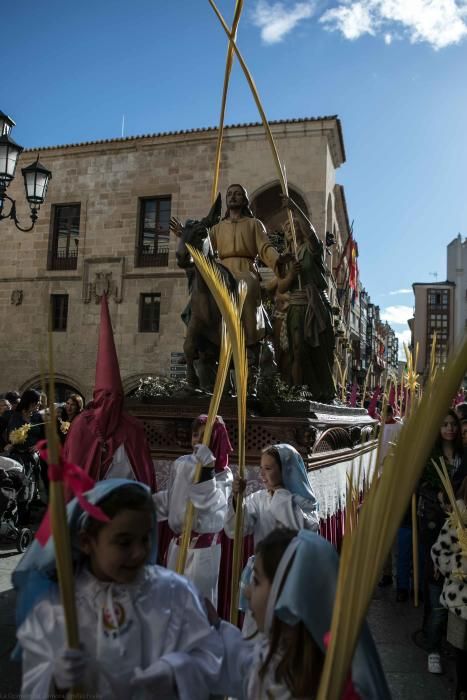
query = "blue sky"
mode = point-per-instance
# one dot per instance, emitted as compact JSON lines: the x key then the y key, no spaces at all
{"x":395,"y":71}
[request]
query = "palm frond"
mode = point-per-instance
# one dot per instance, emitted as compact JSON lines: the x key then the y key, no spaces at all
{"x":280,"y":168}
{"x":365,"y":384}
{"x":365,"y":549}
{"x":225,"y":354}
{"x":231,"y":313}
{"x":433,"y":367}
{"x":228,"y":69}
{"x":57,"y":510}
{"x":342,"y":378}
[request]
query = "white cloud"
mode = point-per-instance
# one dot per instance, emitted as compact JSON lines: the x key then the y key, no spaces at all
{"x":276,"y":19}
{"x":352,"y":19}
{"x":440,"y":23}
{"x":397,"y":314}
{"x":401,"y":291}
{"x":404,"y":337}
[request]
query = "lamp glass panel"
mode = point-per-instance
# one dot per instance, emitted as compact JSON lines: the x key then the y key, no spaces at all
{"x":36,"y":186}
{"x":5,"y":126}
{"x":8,"y":160}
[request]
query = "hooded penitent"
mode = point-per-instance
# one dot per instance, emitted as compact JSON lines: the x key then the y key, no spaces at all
{"x":219,"y":443}
{"x":98,"y":432}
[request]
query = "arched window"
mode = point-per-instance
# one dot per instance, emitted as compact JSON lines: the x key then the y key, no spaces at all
{"x":64,"y":386}
{"x":62,"y":391}
{"x":266,"y":206}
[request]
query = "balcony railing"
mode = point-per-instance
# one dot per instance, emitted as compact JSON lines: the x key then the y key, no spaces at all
{"x":63,"y":260}
{"x":151,"y":258}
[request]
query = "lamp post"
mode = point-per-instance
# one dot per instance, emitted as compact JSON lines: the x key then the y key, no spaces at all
{"x":36,"y":176}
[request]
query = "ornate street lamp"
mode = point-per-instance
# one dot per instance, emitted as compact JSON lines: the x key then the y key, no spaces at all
{"x":36,"y":176}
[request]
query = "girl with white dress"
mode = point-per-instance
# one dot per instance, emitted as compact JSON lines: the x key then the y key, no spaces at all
{"x":287,"y":501}
{"x":142,"y":629}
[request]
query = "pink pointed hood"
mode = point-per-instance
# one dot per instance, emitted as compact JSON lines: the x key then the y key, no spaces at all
{"x":108,"y":389}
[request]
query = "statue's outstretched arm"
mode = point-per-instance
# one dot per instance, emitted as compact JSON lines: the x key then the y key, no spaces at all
{"x":175,"y":226}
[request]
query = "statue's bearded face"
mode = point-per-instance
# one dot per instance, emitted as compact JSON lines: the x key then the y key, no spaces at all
{"x":235,"y":197}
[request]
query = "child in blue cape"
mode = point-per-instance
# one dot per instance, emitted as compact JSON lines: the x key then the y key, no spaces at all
{"x":142,"y":629}
{"x":291,"y":597}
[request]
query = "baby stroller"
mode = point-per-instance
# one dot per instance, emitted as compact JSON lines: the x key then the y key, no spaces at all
{"x":16,"y":493}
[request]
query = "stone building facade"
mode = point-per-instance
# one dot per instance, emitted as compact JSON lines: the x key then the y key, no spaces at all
{"x":457,"y":273}
{"x":441,"y":308}
{"x":104,"y":227}
{"x":433,"y":313}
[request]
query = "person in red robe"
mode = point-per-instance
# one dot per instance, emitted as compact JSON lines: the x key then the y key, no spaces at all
{"x":104,"y":440}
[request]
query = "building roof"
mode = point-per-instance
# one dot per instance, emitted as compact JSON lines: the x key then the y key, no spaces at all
{"x":433,"y":284}
{"x":202,"y":130}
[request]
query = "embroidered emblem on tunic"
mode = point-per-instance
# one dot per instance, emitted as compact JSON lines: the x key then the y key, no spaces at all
{"x":115,"y":621}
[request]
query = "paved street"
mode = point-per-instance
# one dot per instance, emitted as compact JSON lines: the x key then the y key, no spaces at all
{"x":392,"y":625}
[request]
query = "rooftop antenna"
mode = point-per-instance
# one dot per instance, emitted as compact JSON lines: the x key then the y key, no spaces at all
{"x":434,"y":274}
{"x":123,"y":125}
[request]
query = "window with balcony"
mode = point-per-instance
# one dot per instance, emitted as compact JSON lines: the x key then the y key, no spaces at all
{"x":153,"y":237}
{"x":149,"y":313}
{"x":59,"y":311}
{"x":438,"y":298}
{"x":63,"y":252}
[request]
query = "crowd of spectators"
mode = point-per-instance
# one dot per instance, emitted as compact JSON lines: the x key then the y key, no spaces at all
{"x":22,"y":426}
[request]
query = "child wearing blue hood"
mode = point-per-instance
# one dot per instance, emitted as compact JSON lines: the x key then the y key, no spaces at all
{"x":291,"y":596}
{"x":142,"y":629}
{"x":286,"y":501}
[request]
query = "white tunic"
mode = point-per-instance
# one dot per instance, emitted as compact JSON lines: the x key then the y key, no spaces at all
{"x":243,"y":659}
{"x":120,"y":467}
{"x":122,"y":627}
{"x":236,"y":664}
{"x":263,"y":512}
{"x":210,"y":501}
{"x":266,"y":687}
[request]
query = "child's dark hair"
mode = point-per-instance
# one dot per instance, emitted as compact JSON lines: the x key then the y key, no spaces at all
{"x":301,"y":665}
{"x":274,"y":453}
{"x":128,"y":497}
{"x":28,"y":399}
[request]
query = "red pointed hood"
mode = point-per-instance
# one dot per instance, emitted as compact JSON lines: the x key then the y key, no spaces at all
{"x":108,"y":389}
{"x":97,"y":433}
